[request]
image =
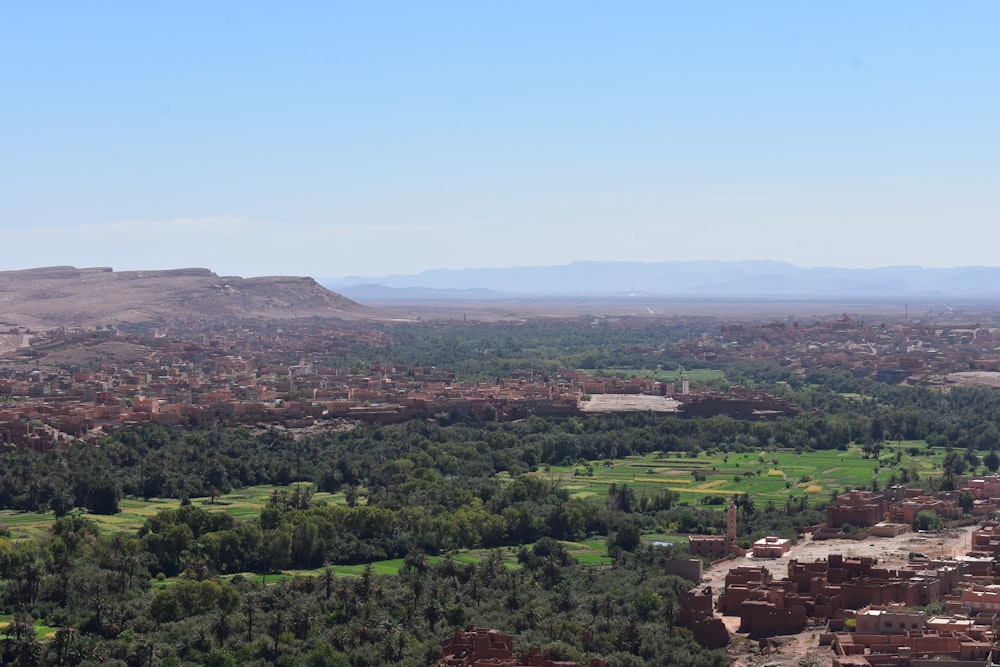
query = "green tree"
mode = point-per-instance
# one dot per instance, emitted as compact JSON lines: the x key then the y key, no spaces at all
{"x":966,"y":502}
{"x":627,"y":537}
{"x":927,"y":520}
{"x":992,"y":461}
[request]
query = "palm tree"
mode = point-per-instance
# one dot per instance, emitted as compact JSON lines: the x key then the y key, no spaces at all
{"x":27,"y":649}
{"x":144,"y":652}
{"x":60,"y":643}
{"x":31,"y":578}
{"x":222,"y":627}
{"x":302,"y":622}
{"x":249,"y":613}
{"x":433,"y":614}
{"x":275,"y":626}
{"x":28,"y":652}
{"x":327,"y":578}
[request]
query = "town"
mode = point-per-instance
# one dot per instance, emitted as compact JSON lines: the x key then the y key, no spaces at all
{"x":928,"y":607}
{"x":280,"y":375}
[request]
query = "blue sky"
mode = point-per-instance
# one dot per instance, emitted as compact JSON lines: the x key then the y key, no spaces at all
{"x":371,"y":138}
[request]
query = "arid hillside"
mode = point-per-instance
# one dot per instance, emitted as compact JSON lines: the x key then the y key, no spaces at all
{"x":67,"y":296}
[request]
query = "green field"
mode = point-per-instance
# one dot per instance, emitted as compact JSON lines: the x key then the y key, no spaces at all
{"x":695,"y":375}
{"x":241,"y":504}
{"x":593,"y":552}
{"x":767,"y":475}
{"x":590,"y":553}
{"x":42,"y":631}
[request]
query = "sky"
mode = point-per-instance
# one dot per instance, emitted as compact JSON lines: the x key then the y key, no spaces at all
{"x":378,"y":137}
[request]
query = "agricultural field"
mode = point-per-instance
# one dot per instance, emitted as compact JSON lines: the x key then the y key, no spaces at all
{"x":766,"y":475}
{"x":241,"y":504}
{"x":695,"y":375}
{"x":592,"y":553}
{"x":588,"y":553}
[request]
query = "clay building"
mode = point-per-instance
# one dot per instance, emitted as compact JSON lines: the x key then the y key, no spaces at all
{"x":906,"y":511}
{"x":739,"y":582}
{"x":857,"y":508}
{"x":981,"y":599}
{"x":696,"y":614}
{"x":984,"y":488}
{"x":479,"y":647}
{"x":771,"y":547}
{"x":888,"y":620}
{"x":830,"y":589}
{"x":717,"y":546}
{"x":761,"y":618}
{"x":986,"y":538}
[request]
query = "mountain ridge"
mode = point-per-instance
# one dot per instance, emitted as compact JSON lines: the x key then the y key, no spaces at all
{"x":687,"y":279}
{"x":67,"y":296}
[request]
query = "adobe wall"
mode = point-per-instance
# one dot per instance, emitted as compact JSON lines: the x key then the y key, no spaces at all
{"x":711,"y":633}
{"x":696,"y":604}
{"x":763,"y":619}
{"x":688,"y":568}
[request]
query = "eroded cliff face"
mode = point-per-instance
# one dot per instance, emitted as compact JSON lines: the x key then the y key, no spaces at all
{"x":65,"y":296}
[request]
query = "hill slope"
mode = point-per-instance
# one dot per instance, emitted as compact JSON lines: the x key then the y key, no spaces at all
{"x":64,"y":296}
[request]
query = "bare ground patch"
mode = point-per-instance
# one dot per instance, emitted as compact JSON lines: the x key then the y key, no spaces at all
{"x":628,"y":403}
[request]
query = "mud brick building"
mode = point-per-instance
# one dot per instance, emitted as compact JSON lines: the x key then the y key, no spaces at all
{"x":986,"y":538}
{"x":771,"y":547}
{"x":697,"y":614}
{"x":479,"y":647}
{"x":762,"y":618}
{"x":831,"y":588}
{"x":914,"y":649}
{"x":739,"y":582}
{"x":717,"y":546}
{"x":889,"y":620}
{"x":984,"y":488}
{"x":857,"y":508}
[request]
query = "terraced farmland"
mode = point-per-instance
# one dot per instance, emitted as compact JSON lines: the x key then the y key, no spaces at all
{"x":766,"y":475}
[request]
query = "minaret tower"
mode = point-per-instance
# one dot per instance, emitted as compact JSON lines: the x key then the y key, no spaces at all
{"x":731,"y":524}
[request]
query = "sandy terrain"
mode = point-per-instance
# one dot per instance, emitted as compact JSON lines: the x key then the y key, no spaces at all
{"x":9,"y":343}
{"x":889,"y":550}
{"x":628,"y":403}
{"x":112,"y":351}
{"x":974,"y":378}
{"x":804,"y":648}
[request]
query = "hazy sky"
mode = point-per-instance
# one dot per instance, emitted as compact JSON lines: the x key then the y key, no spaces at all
{"x":373,"y":137}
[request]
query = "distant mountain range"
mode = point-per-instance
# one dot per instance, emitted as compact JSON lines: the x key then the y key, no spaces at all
{"x":694,"y":279}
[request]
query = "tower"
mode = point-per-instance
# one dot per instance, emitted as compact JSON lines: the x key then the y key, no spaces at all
{"x":685,"y":385}
{"x":731,"y":523}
